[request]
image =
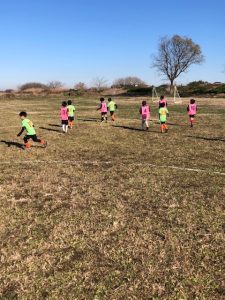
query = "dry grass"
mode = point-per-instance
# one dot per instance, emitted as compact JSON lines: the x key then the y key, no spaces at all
{"x":122,"y":230}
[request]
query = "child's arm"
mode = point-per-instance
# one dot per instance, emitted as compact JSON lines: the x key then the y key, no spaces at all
{"x":21,"y":131}
{"x":100,"y":106}
{"x":116,"y":106}
{"x":188,"y":108}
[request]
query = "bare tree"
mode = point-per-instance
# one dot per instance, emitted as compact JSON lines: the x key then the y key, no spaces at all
{"x":175,"y":56}
{"x":55,"y":84}
{"x":100,"y":83}
{"x":129,"y":81}
{"x":80,"y":86}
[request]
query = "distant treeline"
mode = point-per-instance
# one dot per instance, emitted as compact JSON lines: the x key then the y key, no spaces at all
{"x":195,"y":88}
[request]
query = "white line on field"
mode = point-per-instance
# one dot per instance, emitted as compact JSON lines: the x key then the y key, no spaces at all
{"x":86,"y":162}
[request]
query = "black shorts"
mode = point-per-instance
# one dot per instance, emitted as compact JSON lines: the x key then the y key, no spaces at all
{"x":104,"y":113}
{"x":112,"y":113}
{"x":64,"y":122}
{"x":71,"y":119}
{"x":31,"y":137}
{"x":162,"y":122}
{"x":191,"y":116}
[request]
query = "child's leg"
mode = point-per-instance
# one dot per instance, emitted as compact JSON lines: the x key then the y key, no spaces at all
{"x":166,"y":127}
{"x":142,"y":124}
{"x":146,"y":123}
{"x":162,"y":127}
{"x":191,"y":119}
{"x":112,"y":115}
{"x":66,"y":128}
{"x":26,"y":141}
{"x":63,"y":127}
{"x":37,"y":140}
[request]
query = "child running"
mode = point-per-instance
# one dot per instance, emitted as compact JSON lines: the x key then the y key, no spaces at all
{"x":163,"y":113}
{"x":71,"y":111}
{"x":64,"y":117}
{"x":112,"y":106}
{"x":192,"y":110}
{"x":163,"y":100}
{"x":28,"y":126}
{"x":103,"y":109}
{"x":145,"y":115}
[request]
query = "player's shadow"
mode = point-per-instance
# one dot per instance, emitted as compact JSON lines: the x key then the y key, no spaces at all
{"x":51,"y":129}
{"x":174,"y":124}
{"x":89,"y":119}
{"x":220,"y":139}
{"x":134,"y":128}
{"x":15,"y":144}
{"x":55,"y":125}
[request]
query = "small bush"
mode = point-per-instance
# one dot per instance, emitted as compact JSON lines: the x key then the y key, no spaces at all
{"x":34,"y":85}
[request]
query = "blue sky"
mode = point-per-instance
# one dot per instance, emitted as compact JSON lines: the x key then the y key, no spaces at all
{"x":78,"y":40}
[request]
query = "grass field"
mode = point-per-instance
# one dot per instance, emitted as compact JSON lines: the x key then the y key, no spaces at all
{"x":103,"y":213}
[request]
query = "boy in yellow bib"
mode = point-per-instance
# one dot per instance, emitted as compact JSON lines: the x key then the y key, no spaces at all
{"x":71,"y":112}
{"x":28,"y":126}
{"x":163,"y":113}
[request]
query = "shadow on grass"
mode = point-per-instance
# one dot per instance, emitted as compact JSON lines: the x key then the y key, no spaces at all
{"x":55,"y":125}
{"x":89,"y":119}
{"x":50,"y":129}
{"x":15,"y":144}
{"x":135,"y":129}
{"x":207,"y":138}
{"x":174,"y":124}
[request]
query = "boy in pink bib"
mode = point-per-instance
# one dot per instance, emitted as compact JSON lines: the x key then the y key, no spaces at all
{"x":145,"y":115}
{"x":64,"y":116}
{"x":103,"y":109}
{"x":192,"y":110}
{"x":163,"y":100}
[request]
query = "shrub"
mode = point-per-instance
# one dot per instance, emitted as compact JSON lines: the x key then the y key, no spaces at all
{"x":30,"y":85}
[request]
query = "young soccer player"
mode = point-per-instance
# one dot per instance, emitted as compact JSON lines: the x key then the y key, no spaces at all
{"x":71,"y":111}
{"x":64,"y":116}
{"x":192,"y":110}
{"x":103,"y":109}
{"x":163,"y":100}
{"x":145,"y":115}
{"x":112,"y":106}
{"x":163,"y":113}
{"x":28,"y":126}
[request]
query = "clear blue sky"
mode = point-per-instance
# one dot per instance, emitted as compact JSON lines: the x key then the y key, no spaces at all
{"x":77,"y":40}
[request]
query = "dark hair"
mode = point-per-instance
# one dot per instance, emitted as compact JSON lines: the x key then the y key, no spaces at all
{"x":144,"y":102}
{"x":109,"y":99}
{"x":102,"y":99}
{"x":162,"y":104}
{"x":69,"y":102}
{"x":64,"y":103}
{"x":23,"y":114}
{"x":192,"y":101}
{"x":161,"y":97}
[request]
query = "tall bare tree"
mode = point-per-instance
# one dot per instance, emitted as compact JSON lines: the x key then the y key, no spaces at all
{"x":100,"y":83}
{"x":129,"y":81}
{"x":80,"y":86}
{"x":175,"y":56}
{"x":55,"y":84}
